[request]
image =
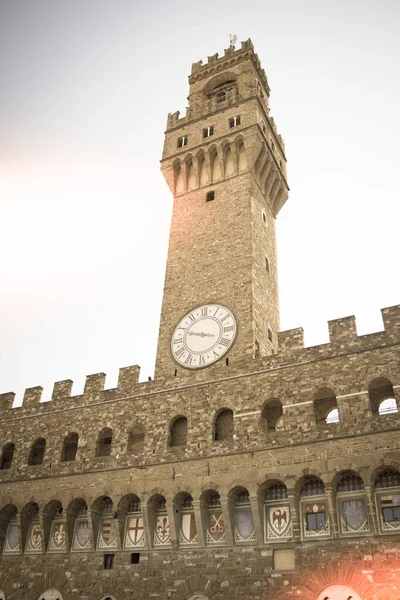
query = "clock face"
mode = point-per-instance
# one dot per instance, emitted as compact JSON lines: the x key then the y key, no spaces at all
{"x":203,"y":336}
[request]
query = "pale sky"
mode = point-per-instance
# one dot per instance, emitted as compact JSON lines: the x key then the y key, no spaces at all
{"x":86,"y":86}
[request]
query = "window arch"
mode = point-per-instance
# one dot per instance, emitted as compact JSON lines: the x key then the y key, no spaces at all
{"x":178,"y":432}
{"x":314,"y":509}
{"x":212,"y":517}
{"x":223,"y":425}
{"x":381,"y":396}
{"x":31,"y":529}
{"x":159,"y":521}
{"x":7,"y":456}
{"x":37,"y":452}
{"x":104,"y":442}
{"x":352,"y":505}
{"x":325,"y":407}
{"x":185,"y":518}
{"x":277,"y":517}
{"x":387,"y":493}
{"x":272,"y":414}
{"x":131,"y":521}
{"x":70,"y":447}
{"x":136,"y":440}
{"x":244,"y":524}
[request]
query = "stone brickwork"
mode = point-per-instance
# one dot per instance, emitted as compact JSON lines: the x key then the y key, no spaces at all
{"x":273,"y":474}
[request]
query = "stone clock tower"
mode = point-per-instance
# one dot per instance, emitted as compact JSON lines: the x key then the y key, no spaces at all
{"x":226,"y":168}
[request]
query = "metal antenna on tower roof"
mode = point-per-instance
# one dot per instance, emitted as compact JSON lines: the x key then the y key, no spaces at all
{"x":232,"y":40}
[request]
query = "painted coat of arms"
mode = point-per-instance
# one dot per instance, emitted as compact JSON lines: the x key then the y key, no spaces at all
{"x":216,"y":527}
{"x":279,"y":523}
{"x":244,"y":530}
{"x":12,"y":539}
{"x":134,"y":532}
{"x":82,"y":535}
{"x":162,"y":533}
{"x":34,"y":542}
{"x":188,"y":529}
{"x":108,"y":533}
{"x":58,"y":538}
{"x":354,"y":516}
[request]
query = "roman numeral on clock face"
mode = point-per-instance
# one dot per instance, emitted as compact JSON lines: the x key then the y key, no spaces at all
{"x":203,"y":336}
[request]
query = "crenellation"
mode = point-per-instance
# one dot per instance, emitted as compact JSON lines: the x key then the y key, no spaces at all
{"x":342,"y":331}
{"x":7,"y":400}
{"x":62,"y":389}
{"x":291,"y":339}
{"x":128,"y":378}
{"x":94,"y":384}
{"x":391,"y":319}
{"x":32,"y":397}
{"x":212,"y":59}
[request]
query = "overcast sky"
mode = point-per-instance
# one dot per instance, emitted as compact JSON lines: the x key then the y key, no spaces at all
{"x":86,"y":86}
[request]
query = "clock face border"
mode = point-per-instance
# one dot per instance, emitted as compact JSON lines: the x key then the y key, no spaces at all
{"x":224,"y":353}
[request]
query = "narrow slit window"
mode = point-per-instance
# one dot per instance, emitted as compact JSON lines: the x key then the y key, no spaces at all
{"x":182,"y":141}
{"x":234,"y":122}
{"x":135,"y":558}
{"x":267,"y":269}
{"x":109,"y":561}
{"x":208,"y":131}
{"x":270,"y":335}
{"x":210,"y":196}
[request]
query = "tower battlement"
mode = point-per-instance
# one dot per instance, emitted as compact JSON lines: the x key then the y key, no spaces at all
{"x":343,"y":339}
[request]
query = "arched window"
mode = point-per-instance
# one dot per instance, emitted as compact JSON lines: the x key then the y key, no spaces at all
{"x":159,"y":522}
{"x":278,"y":522}
{"x":352,"y":504}
{"x":37,"y":452}
{"x":272,"y":414}
{"x":7,"y":456}
{"x":381,"y":396}
{"x":9,"y":530}
{"x":104,"y":442}
{"x":387,"y":492}
{"x":105,"y":524}
{"x":130,"y":513}
{"x":223,"y":427}
{"x":136,"y":440}
{"x":79,"y":528}
{"x":183,"y":508}
{"x":32,"y":533}
{"x":54,"y":527}
{"x":70,"y":447}
{"x":314,"y":510}
{"x":213,"y":518}
{"x":244,"y":525}
{"x":324,"y":406}
{"x":178,"y":432}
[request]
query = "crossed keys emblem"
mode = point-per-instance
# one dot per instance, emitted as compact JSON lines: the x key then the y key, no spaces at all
{"x":217,"y":523}
{"x":217,"y":526}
